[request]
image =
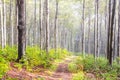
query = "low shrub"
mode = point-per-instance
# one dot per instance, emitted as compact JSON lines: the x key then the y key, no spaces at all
{"x":102,"y":63}
{"x":3,"y":67}
{"x":111,"y":75}
{"x":76,"y":65}
{"x":58,"y":54}
{"x":89,"y":63}
{"x":78,"y":76}
{"x":9,"y":53}
{"x":100,"y":67}
{"x":72,"y":67}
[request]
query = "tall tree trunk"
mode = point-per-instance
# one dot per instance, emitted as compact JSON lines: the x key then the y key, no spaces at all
{"x":40,"y":22}
{"x":100,"y":37}
{"x":114,"y":43}
{"x":4,"y":22}
{"x":89,"y":34}
{"x":83,"y":36}
{"x":11,"y":23}
{"x":97,"y":42}
{"x":55,"y":27}
{"x":21,"y":29}
{"x":16,"y":23}
{"x":118,"y":46}
{"x":2,"y":34}
{"x":111,"y":32}
{"x":35,"y":25}
{"x":95,"y":32}
{"x":108,"y":37}
{"x":26,"y":30}
{"x":47,"y":24}
{"x":106,"y":26}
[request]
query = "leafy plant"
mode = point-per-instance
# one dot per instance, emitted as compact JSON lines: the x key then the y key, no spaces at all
{"x":58,"y":54}
{"x":72,"y":67}
{"x":36,"y":57}
{"x":89,"y":62}
{"x":3,"y":67}
{"x":9,"y":53}
{"x":78,"y":76}
{"x":111,"y":75}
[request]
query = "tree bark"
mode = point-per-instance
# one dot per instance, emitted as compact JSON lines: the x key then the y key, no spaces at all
{"x":108,"y":37}
{"x":83,"y":36}
{"x":95,"y":32}
{"x":2,"y":33}
{"x":40,"y":22}
{"x":11,"y":23}
{"x":97,"y":45}
{"x":111,"y":33}
{"x":21,"y":29}
{"x":4,"y":22}
{"x":47,"y":24}
{"x":118,"y":46}
{"x":55,"y":27}
{"x":89,"y":34}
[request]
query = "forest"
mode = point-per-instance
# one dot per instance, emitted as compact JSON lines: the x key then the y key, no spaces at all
{"x":59,"y":39}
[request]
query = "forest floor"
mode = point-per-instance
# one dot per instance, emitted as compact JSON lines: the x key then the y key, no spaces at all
{"x":61,"y":72}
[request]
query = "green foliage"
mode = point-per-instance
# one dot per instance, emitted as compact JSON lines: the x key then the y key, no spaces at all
{"x":9,"y":53}
{"x":111,"y":75}
{"x":58,"y":54}
{"x":76,"y":65}
{"x":100,"y":67}
{"x":36,"y":57}
{"x":89,"y":62}
{"x":79,"y":61}
{"x":78,"y":76}
{"x":3,"y":67}
{"x":53,"y":67}
{"x":72,"y":67}
{"x":102,"y":63}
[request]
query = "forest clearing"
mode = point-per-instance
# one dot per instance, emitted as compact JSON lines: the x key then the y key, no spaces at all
{"x":59,"y":39}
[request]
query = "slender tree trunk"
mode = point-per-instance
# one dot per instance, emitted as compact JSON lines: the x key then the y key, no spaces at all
{"x":118,"y":46}
{"x":26,"y":30}
{"x":89,"y":34}
{"x":55,"y":27}
{"x":35,"y":25}
{"x":21,"y":29}
{"x":97,"y":45}
{"x":100,"y":37}
{"x":16,"y":23}
{"x":106,"y":26}
{"x":40,"y":22}
{"x":109,"y":25}
{"x":95,"y":32}
{"x":111,"y":32}
{"x":4,"y":21}
{"x":83,"y":36}
{"x":47,"y":24}
{"x":114,"y":46}
{"x":2,"y":34}
{"x":11,"y":23}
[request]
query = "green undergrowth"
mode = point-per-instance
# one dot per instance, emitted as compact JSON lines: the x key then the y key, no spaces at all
{"x":78,"y":76}
{"x":3,"y":66}
{"x":34,"y":58}
{"x":76,"y":65}
{"x":99,"y":67}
